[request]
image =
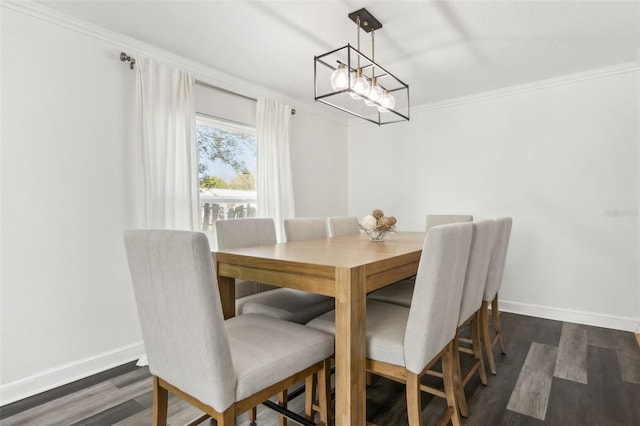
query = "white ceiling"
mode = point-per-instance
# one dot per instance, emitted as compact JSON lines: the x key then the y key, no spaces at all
{"x":442,"y":49}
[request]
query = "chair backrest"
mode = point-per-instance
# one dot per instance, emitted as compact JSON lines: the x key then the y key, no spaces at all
{"x":433,"y":316}
{"x":305,"y":228}
{"x":443,"y":219}
{"x":479,"y":255}
{"x":498,"y":258}
{"x":176,"y":291}
{"x":343,"y":225}
{"x":247,"y":232}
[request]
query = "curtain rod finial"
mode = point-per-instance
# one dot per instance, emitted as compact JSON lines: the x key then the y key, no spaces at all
{"x":124,"y":58}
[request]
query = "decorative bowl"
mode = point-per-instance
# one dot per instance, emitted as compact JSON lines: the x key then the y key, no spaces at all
{"x":376,"y":234}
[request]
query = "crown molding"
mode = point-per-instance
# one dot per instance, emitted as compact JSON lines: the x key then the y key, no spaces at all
{"x":533,"y":86}
{"x":136,"y":47}
{"x":523,"y":88}
{"x":229,"y":82}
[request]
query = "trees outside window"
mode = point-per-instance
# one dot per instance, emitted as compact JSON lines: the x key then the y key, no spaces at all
{"x":227,"y":154}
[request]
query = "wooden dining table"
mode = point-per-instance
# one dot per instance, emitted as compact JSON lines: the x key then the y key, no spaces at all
{"x":344,"y":267}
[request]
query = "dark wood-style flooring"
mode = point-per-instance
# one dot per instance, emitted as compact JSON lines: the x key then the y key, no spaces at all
{"x":554,"y":373}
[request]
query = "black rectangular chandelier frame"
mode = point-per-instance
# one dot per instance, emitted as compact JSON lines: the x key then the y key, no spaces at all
{"x":353,"y":64}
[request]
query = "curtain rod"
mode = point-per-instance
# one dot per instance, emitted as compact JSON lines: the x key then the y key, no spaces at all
{"x":211,"y":86}
{"x":126,"y":58}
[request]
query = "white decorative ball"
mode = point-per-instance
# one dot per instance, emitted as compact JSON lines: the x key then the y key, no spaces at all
{"x":368,"y":223}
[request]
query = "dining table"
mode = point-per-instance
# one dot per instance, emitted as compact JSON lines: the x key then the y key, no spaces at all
{"x":344,"y":267}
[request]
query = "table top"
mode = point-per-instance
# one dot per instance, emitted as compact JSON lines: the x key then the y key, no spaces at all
{"x":346,"y":251}
{"x":318,"y":261}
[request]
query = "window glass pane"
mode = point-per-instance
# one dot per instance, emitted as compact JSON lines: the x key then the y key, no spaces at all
{"x":226,"y":172}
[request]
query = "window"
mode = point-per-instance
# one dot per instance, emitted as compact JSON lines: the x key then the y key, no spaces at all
{"x":226,"y":172}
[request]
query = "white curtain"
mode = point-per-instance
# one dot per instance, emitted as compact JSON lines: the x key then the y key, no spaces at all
{"x":274,"y":183}
{"x":167,"y":165}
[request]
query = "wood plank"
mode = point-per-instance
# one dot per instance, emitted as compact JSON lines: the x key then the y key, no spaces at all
{"x":531,"y":393}
{"x":112,"y":415}
{"x":600,"y":337}
{"x":606,"y":398}
{"x":571,"y":362}
{"x":68,"y":389}
{"x":80,"y":405}
{"x":628,"y":355}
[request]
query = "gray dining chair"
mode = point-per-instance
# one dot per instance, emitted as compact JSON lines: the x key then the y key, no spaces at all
{"x":282,"y":303}
{"x":401,"y":292}
{"x":237,"y":233}
{"x":305,"y":228}
{"x":404,"y":343}
{"x":469,"y":316}
{"x":223,"y":368}
{"x":470,"y":305}
{"x":492,"y":287}
{"x":343,"y":225}
{"x":443,"y":219}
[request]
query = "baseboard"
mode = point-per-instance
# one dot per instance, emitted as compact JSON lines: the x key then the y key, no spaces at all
{"x":67,"y":373}
{"x":579,"y":317}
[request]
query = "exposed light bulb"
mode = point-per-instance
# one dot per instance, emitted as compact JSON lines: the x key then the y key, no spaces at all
{"x":340,"y":78}
{"x":375,"y":94}
{"x":360,"y":86}
{"x":388,"y":102}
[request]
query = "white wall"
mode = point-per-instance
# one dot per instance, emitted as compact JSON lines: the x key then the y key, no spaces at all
{"x":561,"y":160}
{"x":319,"y":165}
{"x":67,"y":307}
{"x":66,"y":127}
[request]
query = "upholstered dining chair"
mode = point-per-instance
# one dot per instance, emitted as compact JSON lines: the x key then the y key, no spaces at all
{"x":404,"y":343}
{"x":469,"y":316}
{"x":242,"y":232}
{"x":471,"y":302}
{"x":443,"y":219}
{"x":343,"y":225}
{"x":282,"y":303}
{"x":401,"y":292}
{"x":223,"y":368}
{"x":305,"y":228}
{"x":492,"y":287}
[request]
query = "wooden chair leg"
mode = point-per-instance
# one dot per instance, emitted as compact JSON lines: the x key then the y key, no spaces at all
{"x":160,"y":403}
{"x":253,"y":414}
{"x":486,"y":338}
{"x":282,"y":401}
{"x":227,"y":418}
{"x":477,"y":348}
{"x":309,"y":396}
{"x":458,"y":388}
{"x":495,"y":315}
{"x":324,"y":392}
{"x":414,"y":404}
{"x":448,"y":372}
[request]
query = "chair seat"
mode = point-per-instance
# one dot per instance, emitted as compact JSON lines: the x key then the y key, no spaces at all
{"x":262,"y":348}
{"x":399,"y":293}
{"x":286,"y":304}
{"x":386,"y":326}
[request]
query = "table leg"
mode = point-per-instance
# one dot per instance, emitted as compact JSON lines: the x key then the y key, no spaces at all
{"x":227,"y":287}
{"x":350,"y":352}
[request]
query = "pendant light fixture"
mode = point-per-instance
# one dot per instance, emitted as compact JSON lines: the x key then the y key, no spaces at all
{"x":349,"y":80}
